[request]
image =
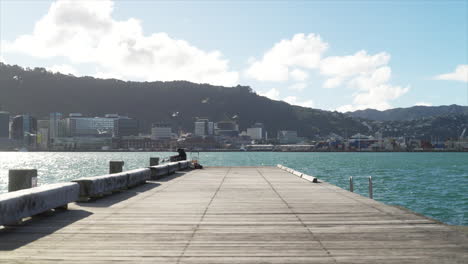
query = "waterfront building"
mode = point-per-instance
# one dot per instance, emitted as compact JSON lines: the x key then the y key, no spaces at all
{"x":142,"y":143}
{"x":83,"y":143}
{"x":203,"y":127}
{"x":125,"y":126}
{"x":54,"y":125}
{"x":4,"y":124}
{"x":80,"y":126}
{"x":42,"y":136}
{"x":227,"y":129}
{"x":161,"y":131}
{"x":24,"y":129}
{"x":362,"y":142}
{"x":254,"y":133}
{"x":288,"y":137}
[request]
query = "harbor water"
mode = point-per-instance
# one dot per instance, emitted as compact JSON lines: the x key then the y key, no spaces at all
{"x":432,"y":184}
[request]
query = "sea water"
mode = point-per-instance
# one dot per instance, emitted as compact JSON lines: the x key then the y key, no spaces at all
{"x":433,"y":184}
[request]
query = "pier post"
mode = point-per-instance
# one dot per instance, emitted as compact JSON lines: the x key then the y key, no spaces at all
{"x":115,"y":166}
{"x":21,"y":179}
{"x":351,"y":185}
{"x":154,"y":161}
{"x":371,"y":194}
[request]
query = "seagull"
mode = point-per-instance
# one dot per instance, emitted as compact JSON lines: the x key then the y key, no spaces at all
{"x":205,"y":101}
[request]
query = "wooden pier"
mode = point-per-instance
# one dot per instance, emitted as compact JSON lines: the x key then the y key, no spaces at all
{"x":233,"y":215}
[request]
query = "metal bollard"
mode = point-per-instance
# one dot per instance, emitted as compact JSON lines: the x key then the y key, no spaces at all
{"x":371,"y":194}
{"x":351,"y":185}
{"x":154,"y":161}
{"x":115,"y":166}
{"x":21,"y":179}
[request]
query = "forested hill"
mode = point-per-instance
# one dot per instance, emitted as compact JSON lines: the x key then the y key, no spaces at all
{"x":410,"y":113}
{"x":39,"y":92}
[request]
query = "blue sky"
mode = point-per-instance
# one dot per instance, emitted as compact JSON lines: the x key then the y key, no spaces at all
{"x":342,"y":55}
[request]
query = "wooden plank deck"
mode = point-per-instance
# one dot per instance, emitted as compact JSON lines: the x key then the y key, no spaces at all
{"x":233,"y":215}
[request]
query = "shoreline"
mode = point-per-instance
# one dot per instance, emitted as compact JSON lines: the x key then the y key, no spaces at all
{"x":228,"y":150}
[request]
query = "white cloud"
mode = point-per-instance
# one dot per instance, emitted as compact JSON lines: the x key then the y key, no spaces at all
{"x":293,"y":100}
{"x":64,"y":69}
{"x":369,"y":77}
{"x":423,"y":104}
{"x":281,"y":62}
{"x":272,"y":94}
{"x":299,"y":75}
{"x":460,"y":74}
{"x":298,"y":86}
{"x":373,"y":91}
{"x":86,"y":32}
{"x":359,"y":63}
{"x":2,"y":59}
{"x":333,"y":82}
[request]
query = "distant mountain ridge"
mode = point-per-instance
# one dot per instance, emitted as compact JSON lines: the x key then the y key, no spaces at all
{"x":178,"y":103}
{"x":410,"y":113}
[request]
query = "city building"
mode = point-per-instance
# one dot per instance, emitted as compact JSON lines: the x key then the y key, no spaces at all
{"x":125,"y":126}
{"x":42,"y":138}
{"x":24,"y":129}
{"x":360,"y":142}
{"x":203,"y":127}
{"x":161,"y":131}
{"x":256,"y":132}
{"x":55,"y":123}
{"x":4,"y":124}
{"x":288,"y":137}
{"x":80,"y":126}
{"x":227,"y":129}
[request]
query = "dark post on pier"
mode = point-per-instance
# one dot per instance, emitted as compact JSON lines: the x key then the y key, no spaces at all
{"x":154,"y":161}
{"x":115,"y":166}
{"x":21,"y":179}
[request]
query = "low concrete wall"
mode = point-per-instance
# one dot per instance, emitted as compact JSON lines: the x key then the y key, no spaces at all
{"x":185,"y":164}
{"x":173,"y":167}
{"x":138,"y":176}
{"x":298,"y":174}
{"x":93,"y":187}
{"x":17,"y":205}
{"x":159,"y":171}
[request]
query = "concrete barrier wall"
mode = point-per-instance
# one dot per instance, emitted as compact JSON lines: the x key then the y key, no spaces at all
{"x":17,"y":205}
{"x":298,"y":174}
{"x":173,"y":167}
{"x":185,"y":164}
{"x":138,"y":176}
{"x":99,"y":185}
{"x":159,"y":171}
